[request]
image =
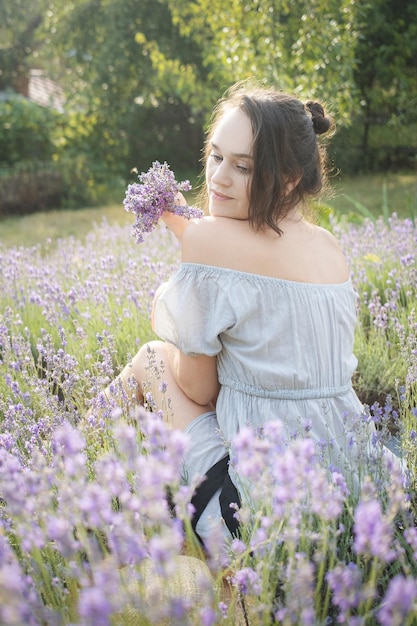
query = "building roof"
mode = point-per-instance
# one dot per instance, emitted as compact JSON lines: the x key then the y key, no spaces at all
{"x":45,"y":91}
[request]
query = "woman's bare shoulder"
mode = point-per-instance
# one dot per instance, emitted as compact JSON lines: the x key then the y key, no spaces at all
{"x":324,"y":232}
{"x":204,"y":239}
{"x":329,"y":256}
{"x":208,"y":224}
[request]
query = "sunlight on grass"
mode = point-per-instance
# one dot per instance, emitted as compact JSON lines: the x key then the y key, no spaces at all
{"x":368,"y":190}
{"x":30,"y":230}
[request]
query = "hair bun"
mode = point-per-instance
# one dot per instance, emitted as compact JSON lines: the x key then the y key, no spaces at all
{"x":321,"y":123}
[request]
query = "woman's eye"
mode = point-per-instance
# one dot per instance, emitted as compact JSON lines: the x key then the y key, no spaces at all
{"x":216,"y":158}
{"x":243,"y":168}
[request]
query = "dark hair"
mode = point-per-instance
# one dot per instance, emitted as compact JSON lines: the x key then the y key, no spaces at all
{"x":285,"y":149}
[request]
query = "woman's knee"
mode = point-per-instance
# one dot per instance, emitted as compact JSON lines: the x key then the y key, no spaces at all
{"x":151,"y":367}
{"x":146,"y":366}
{"x":149,"y":354}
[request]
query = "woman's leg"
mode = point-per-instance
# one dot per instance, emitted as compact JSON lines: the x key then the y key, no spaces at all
{"x":151,"y":371}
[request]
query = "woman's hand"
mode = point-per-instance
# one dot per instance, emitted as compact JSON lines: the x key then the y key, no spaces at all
{"x":176,"y":223}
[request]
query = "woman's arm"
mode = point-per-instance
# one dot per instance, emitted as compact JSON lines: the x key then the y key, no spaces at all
{"x":176,"y":223}
{"x":195,"y":375}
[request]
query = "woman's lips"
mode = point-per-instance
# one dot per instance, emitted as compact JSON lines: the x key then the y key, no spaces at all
{"x":216,"y":195}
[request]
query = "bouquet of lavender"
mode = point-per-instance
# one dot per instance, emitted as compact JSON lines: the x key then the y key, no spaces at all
{"x":152,"y":196}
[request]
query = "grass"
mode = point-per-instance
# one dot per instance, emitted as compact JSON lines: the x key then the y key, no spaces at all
{"x":401,"y":193}
{"x":38,"y":228}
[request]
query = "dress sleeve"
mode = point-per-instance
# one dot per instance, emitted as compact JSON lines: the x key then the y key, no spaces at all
{"x":194,"y":309}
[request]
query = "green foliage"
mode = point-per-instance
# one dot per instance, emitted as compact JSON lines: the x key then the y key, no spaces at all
{"x":33,"y":186}
{"x":111,"y":81}
{"x":386,"y":74}
{"x":169,"y":133}
{"x":140,"y":79}
{"x":29,"y":180}
{"x":27,"y":131}
{"x":93,"y":147}
{"x":138,"y":69}
{"x":386,"y":78}
{"x":390,"y":147}
{"x":20,"y":39}
{"x":30,"y":186}
{"x":52,"y":160}
{"x":368,"y":191}
{"x":307,"y":49}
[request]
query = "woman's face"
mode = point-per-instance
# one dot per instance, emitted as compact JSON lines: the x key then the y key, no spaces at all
{"x":229,"y":166}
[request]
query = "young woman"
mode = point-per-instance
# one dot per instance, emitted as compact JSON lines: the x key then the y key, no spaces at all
{"x":258,"y":321}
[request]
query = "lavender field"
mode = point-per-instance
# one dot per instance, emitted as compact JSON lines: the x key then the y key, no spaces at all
{"x":87,"y":532}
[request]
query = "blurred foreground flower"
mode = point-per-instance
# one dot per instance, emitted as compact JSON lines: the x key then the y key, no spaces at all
{"x":155,"y":194}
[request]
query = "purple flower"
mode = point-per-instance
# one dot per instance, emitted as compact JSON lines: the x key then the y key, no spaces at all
{"x":373,"y":534}
{"x":13,"y":583}
{"x":340,"y":482}
{"x":127,"y":546}
{"x":398,"y":601}
{"x":164,"y":547}
{"x":61,"y":532}
{"x":223,"y":609}
{"x":95,"y":607}
{"x":69,"y":444}
{"x":156,"y":194}
{"x":410,"y":534}
{"x":95,"y":505}
{"x":247,"y":581}
{"x":345,"y":583}
{"x":68,"y":440}
{"x":238,"y":546}
{"x":208,"y":616}
{"x":299,"y":590}
{"x":98,"y":602}
{"x":177,"y":609}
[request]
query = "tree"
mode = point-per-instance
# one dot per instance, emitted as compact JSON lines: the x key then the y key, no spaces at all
{"x":305,"y":47}
{"x":141,"y":77}
{"x":20,"y":23}
{"x":150,"y":72}
{"x":110,"y":78}
{"x":386,"y":72}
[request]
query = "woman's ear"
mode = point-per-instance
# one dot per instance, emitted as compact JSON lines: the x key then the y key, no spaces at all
{"x":291,"y":184}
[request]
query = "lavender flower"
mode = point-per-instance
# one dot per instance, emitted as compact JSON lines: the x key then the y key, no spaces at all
{"x":345,"y":583}
{"x":153,"y":196}
{"x":13,"y":588}
{"x":373,"y":533}
{"x":247,"y":581}
{"x":72,"y":488}
{"x":299,"y":590}
{"x":398,"y":601}
{"x":95,"y":606}
{"x":208,"y":616}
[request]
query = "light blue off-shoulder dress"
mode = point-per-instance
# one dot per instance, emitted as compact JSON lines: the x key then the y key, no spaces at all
{"x":284,"y":350}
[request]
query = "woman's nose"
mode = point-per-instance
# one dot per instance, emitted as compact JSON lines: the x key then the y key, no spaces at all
{"x":221,"y":174}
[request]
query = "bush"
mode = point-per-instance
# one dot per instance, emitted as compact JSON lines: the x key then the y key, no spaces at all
{"x":50,"y":160}
{"x":390,"y":148}
{"x":169,"y":133}
{"x":27,"y":131}
{"x":29,"y":187}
